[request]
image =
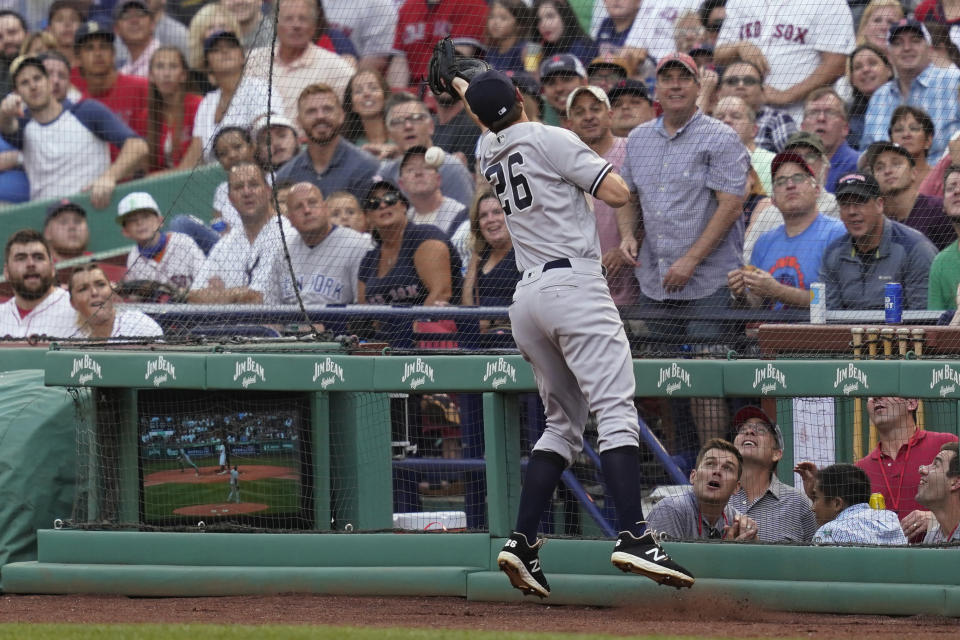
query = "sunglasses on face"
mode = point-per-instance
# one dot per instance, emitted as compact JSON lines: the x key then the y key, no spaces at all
{"x":747,"y":81}
{"x":387,"y":200}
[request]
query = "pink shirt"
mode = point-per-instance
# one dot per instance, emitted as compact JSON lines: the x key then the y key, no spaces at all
{"x":898,"y":479}
{"x":623,"y":283}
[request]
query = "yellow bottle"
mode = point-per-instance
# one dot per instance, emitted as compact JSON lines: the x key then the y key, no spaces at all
{"x":877,"y":501}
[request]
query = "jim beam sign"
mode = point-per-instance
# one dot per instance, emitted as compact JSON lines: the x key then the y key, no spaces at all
{"x":850,"y":378}
{"x":416,"y":373}
{"x":499,"y":372}
{"x":327,"y":372}
{"x":160,"y":371}
{"x":673,"y":378}
{"x":85,"y":369}
{"x":945,"y":379}
{"x":248,"y":372}
{"x":769,"y":379}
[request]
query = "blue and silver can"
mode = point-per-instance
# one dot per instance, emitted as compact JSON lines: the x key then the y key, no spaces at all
{"x":892,"y":303}
{"x":818,"y":303}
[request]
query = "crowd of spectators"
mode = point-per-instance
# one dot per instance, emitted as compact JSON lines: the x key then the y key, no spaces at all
{"x":332,"y":94}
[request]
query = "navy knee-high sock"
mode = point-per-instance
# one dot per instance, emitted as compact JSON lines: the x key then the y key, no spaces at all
{"x":621,"y":471}
{"x":540,"y":481}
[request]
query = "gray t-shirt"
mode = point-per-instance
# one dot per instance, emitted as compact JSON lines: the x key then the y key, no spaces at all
{"x":542,"y":176}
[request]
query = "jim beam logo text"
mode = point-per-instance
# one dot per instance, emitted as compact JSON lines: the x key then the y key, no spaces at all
{"x":673,"y":378}
{"x":767,"y":378}
{"x":498,"y":372}
{"x":947,"y":377}
{"x":850,"y":378}
{"x":159,"y":371}
{"x":417,"y":372}
{"x":85,"y":369}
{"x":327,"y":372}
{"x":247,"y":371}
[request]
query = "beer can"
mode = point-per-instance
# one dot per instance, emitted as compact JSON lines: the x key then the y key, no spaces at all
{"x":877,"y":502}
{"x":818,"y":303}
{"x":892,"y":303}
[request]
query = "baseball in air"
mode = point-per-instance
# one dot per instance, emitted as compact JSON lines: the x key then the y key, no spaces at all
{"x":434,"y":157}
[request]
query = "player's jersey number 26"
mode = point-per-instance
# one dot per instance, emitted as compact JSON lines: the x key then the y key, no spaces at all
{"x":500,"y":177}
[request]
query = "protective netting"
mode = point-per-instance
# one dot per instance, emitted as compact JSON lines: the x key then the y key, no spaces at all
{"x":256,"y":172}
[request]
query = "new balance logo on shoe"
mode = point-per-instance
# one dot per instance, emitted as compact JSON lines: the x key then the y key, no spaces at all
{"x":535,"y":565}
{"x":628,"y":556}
{"x":657,"y":556}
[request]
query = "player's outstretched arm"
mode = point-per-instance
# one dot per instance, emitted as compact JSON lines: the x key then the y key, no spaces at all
{"x":613,"y":190}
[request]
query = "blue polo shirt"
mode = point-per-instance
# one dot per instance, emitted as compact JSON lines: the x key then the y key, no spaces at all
{"x":350,"y":169}
{"x":842,"y":162}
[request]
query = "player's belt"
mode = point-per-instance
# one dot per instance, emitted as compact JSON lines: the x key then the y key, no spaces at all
{"x":564,"y":263}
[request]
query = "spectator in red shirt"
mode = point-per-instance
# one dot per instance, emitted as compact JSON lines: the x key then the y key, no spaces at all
{"x":171,"y":112}
{"x":894,"y":465}
{"x":422,"y":22}
{"x":96,"y":77}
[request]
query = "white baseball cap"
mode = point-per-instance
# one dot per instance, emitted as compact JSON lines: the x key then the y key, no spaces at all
{"x":275,"y":120}
{"x":595,"y":91}
{"x":136,"y":201}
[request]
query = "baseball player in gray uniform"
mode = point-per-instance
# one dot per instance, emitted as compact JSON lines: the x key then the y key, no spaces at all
{"x":564,"y":323}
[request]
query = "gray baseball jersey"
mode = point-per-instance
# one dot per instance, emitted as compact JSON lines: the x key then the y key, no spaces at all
{"x":540,"y":174}
{"x":178,"y":263}
{"x":563,"y":318}
{"x":326,"y":273}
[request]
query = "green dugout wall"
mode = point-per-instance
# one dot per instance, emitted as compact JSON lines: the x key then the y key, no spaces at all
{"x":902,"y":581}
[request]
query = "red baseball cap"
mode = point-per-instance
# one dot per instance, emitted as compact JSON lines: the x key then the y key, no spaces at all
{"x":681,"y":59}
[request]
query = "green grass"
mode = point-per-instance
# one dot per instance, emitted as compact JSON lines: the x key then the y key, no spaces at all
{"x":272,"y":632}
{"x":160,"y":500}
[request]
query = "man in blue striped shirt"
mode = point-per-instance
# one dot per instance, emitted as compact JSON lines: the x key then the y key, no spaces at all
{"x":918,"y":82}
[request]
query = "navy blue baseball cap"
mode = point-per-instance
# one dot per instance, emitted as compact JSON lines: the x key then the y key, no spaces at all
{"x":93,"y":29}
{"x":629,"y":87}
{"x":565,"y":63}
{"x":217,"y":36}
{"x":491,"y":95}
{"x":63,"y":204}
{"x":908,"y":24}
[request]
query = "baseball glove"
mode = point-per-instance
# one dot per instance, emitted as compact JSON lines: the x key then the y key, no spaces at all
{"x":446,"y":64}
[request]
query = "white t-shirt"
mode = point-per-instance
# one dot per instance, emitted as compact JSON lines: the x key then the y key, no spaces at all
{"x":447,"y":217}
{"x":65,"y":155}
{"x":791,"y":35}
{"x":326,"y":273}
{"x":180,"y":261}
{"x":371,"y":24}
{"x":127,"y":324}
{"x":54,"y":317}
{"x":654,"y":25}
{"x":248,"y":103}
{"x":241,"y":264}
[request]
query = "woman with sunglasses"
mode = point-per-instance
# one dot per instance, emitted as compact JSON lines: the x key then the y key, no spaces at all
{"x":411,"y":264}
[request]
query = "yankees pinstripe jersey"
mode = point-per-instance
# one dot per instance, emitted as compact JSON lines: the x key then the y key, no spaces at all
{"x":326,"y":273}
{"x":542,"y":175}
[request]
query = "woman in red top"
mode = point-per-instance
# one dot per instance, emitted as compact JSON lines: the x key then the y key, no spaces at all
{"x":171,"y":112}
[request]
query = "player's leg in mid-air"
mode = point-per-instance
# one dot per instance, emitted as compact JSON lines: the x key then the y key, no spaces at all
{"x":575,"y":355}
